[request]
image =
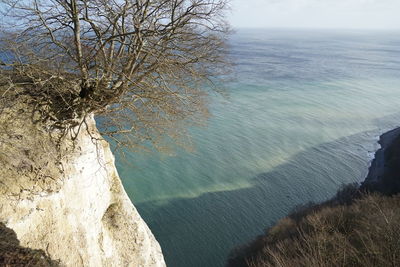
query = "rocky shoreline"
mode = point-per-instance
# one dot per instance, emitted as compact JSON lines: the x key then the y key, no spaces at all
{"x":384,"y":172}
{"x":277,"y":243}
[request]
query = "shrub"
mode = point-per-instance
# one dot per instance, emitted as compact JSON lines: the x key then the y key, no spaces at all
{"x":364,"y":233}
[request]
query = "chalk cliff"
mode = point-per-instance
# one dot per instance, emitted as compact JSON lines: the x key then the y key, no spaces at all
{"x":65,"y":197}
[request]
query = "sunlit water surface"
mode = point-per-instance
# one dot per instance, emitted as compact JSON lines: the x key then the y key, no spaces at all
{"x":302,"y":118}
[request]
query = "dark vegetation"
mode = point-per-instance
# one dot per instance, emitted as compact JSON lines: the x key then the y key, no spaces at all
{"x":365,"y":233}
{"x":360,"y":226}
{"x":12,"y":254}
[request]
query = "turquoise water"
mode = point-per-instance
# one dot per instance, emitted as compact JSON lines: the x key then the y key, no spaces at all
{"x":302,"y":117}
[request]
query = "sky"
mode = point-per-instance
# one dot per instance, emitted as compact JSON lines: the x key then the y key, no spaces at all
{"x":337,"y":14}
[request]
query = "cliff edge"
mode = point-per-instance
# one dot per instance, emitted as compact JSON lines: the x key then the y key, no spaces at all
{"x":384,"y":173}
{"x":61,"y":194}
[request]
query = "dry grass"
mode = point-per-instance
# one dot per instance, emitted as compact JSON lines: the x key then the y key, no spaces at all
{"x":364,"y":233}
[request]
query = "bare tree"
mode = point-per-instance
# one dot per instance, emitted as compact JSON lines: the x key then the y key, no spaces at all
{"x":142,"y":65}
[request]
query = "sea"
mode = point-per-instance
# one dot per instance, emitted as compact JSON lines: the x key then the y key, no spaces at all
{"x":300,"y":117}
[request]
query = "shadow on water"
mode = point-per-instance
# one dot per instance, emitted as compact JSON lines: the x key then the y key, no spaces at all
{"x":201,"y":231}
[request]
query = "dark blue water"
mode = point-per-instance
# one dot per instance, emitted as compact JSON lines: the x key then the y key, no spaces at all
{"x":302,"y":118}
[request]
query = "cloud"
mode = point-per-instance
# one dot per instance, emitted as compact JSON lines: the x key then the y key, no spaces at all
{"x":316,"y":13}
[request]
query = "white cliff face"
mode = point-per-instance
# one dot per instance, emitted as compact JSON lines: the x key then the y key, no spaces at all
{"x":68,"y":200}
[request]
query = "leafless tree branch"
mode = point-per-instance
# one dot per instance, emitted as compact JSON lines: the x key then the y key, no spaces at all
{"x":142,"y":65}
